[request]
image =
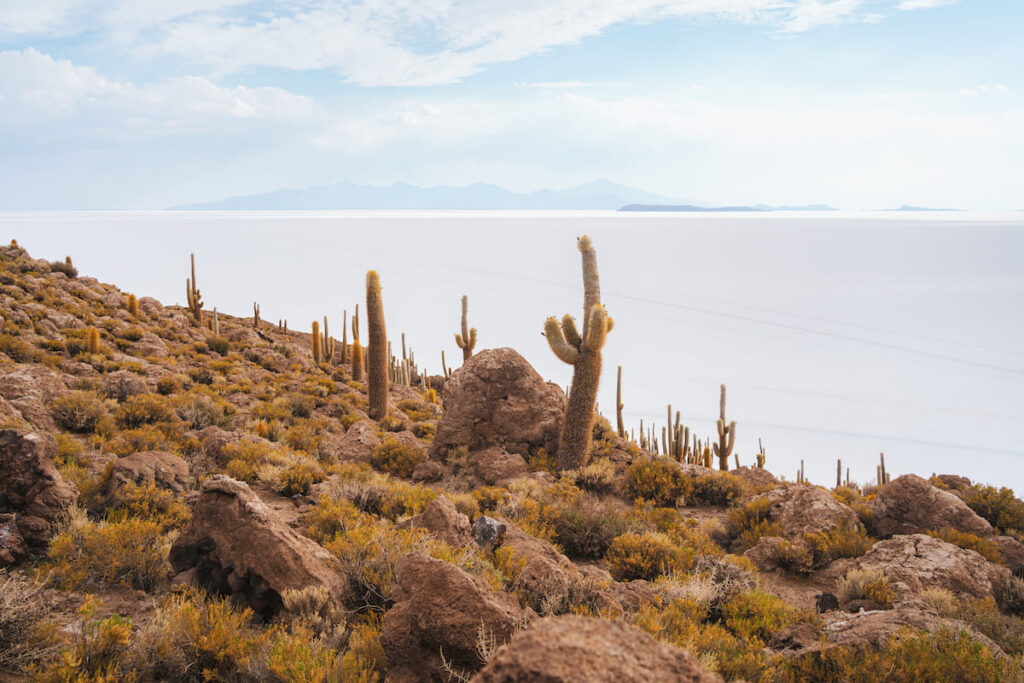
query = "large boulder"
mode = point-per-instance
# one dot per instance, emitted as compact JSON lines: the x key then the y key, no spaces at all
{"x":572,"y":649}
{"x":235,"y":545}
{"x":444,"y":521}
{"x":166,"y":470}
{"x":544,"y":570}
{"x":28,"y":389}
{"x":918,"y":562}
{"x":1012,"y":551}
{"x":497,"y":399}
{"x":493,"y":465}
{"x":910,"y":505}
{"x":358,"y":443}
{"x":801,"y":509}
{"x":31,"y":488}
{"x":123,"y":384}
{"x":441,"y":610}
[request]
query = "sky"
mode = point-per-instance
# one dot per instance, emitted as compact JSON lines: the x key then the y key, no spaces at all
{"x":861,"y":104}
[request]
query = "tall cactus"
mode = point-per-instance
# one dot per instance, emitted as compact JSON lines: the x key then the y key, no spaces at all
{"x":133,"y":306}
{"x":357,"y":350}
{"x":195,"y":301}
{"x":344,"y":338}
{"x":726,"y":436}
{"x":376,"y":351}
{"x":584,"y":354}
{"x":467,"y":340}
{"x":255,"y":315}
{"x":327,"y":344}
{"x":315,"y":341}
{"x":618,"y":405}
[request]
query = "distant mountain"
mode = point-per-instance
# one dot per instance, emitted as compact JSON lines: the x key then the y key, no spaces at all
{"x":806,"y":207}
{"x":596,"y":195}
{"x":688,"y":208}
{"x":907,"y":207}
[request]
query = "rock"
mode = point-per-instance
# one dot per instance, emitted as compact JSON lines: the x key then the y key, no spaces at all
{"x":826,"y":602}
{"x":494,"y":465}
{"x":358,"y":442}
{"x":855,"y":606}
{"x":763,"y":553}
{"x":30,"y":485}
{"x":915,"y":563}
{"x":544,"y":569}
{"x":428,"y":470}
{"x":1013,"y":553}
{"x":755,"y":476}
{"x":123,"y":384}
{"x":237,"y":546}
{"x":438,"y":608}
{"x":497,"y":399}
{"x":910,"y":505}
{"x":798,"y":638}
{"x":952,"y":482}
{"x":801,"y":509}
{"x":488,"y":532}
{"x":167,"y":470}
{"x":573,"y":649}
{"x":29,"y":389}
{"x":150,"y":307}
{"x":443,"y":521}
{"x":12,"y":544}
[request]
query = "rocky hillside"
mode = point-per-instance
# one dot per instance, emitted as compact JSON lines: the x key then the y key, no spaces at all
{"x":187,"y":504}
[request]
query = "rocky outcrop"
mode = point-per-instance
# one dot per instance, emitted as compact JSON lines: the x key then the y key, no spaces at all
{"x":1013,"y":553}
{"x":801,"y":509}
{"x":910,"y":505}
{"x":166,"y":470}
{"x":123,"y":384}
{"x":443,"y":521}
{"x":358,"y":442}
{"x":28,"y":389}
{"x":757,"y":477}
{"x":917,"y":562}
{"x":440,"y":609}
{"x":497,"y":399}
{"x":544,"y":570}
{"x":235,"y":545}
{"x":493,"y":465}
{"x":572,"y":649}
{"x":31,"y":489}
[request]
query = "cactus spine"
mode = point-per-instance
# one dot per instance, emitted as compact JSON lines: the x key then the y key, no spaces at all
{"x":376,"y":351}
{"x":133,"y":306}
{"x":584,"y":354}
{"x":315,"y":341}
{"x":327,"y":345}
{"x":467,"y":340}
{"x":618,"y":405}
{"x":195,"y":301}
{"x":357,"y":350}
{"x":726,"y":436}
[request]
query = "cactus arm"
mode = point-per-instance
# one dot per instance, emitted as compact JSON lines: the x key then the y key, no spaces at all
{"x":561,"y":348}
{"x":597,"y":329}
{"x":572,"y":336}
{"x":591,"y":281}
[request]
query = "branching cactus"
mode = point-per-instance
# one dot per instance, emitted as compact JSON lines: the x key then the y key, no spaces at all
{"x":327,"y":344}
{"x":376,"y":350}
{"x":583,"y":352}
{"x":726,"y":436}
{"x":467,"y":340}
{"x":195,"y":301}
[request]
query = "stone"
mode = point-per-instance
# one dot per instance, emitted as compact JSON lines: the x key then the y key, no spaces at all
{"x":1013,"y":553}
{"x":488,"y":532}
{"x":440,"y":609}
{"x":12,"y":544}
{"x":493,"y":465}
{"x":166,"y":470}
{"x":237,"y":546}
{"x":910,"y":505}
{"x":428,"y":471}
{"x":444,"y":521}
{"x":801,"y":509}
{"x":359,"y":442}
{"x":574,"y":649}
{"x":497,"y":399}
{"x":826,"y":602}
{"x":123,"y":384}
{"x":30,"y":485}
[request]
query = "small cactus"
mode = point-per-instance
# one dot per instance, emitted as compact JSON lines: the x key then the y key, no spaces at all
{"x":315,"y":341}
{"x":255,"y":315}
{"x":195,"y":301}
{"x":618,"y":405}
{"x":467,"y":340}
{"x":344,"y":338}
{"x":726,"y":436}
{"x":133,"y":306}
{"x":327,"y":344}
{"x":584,"y":354}
{"x":376,"y":350}
{"x":357,"y":350}
{"x":93,"y":340}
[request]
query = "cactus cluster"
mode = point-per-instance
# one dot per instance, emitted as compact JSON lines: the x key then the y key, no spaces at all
{"x":583,"y":352}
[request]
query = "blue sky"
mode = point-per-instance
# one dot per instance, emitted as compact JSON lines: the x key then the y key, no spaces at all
{"x":855,"y":103}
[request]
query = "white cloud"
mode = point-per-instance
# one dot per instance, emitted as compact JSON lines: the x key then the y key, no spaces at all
{"x":907,"y":5}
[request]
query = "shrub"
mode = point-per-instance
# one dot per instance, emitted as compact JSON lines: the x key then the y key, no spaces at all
{"x":200,"y":411}
{"x":162,"y":437}
{"x":390,"y":423}
{"x":394,"y":457}
{"x":757,"y":614}
{"x":424,"y":430}
{"x":586,"y":526}
{"x":148,"y":502}
{"x":143,"y":409}
{"x":968,"y":541}
{"x":643,"y":556}
{"x":1009,"y":595}
{"x":365,"y":660}
{"x":598,"y":477}
{"x":64,"y":267}
{"x":865,"y":584}
{"x":746,"y":525}
{"x":78,"y":411}
{"x":415,"y":410}
{"x":26,"y":636}
{"x":656,"y":479}
{"x":297,"y":478}
{"x":166,"y":386}
{"x":218,"y":345}
{"x":846,"y":540}
{"x":96,"y":653}
{"x":793,"y":557}
{"x":17,"y":348}
{"x":998,"y":506}
{"x":713,"y":488}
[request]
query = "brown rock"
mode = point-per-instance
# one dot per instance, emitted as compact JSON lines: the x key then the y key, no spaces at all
{"x":12,"y":544}
{"x":755,"y":476}
{"x":29,"y":389}
{"x":441,"y":609}
{"x":494,"y":465}
{"x":30,"y":485}
{"x":167,"y":470}
{"x":915,"y":563}
{"x":572,"y":649}
{"x":359,"y":442}
{"x":443,"y":521}
{"x":428,"y":470}
{"x":801,"y":509}
{"x":497,"y":399}
{"x":763,"y":553}
{"x":237,"y":546}
{"x":953,"y":482}
{"x":910,"y":505}
{"x":1013,"y":553}
{"x":545,"y":570}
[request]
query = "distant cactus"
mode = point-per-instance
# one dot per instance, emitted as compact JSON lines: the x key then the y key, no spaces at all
{"x":327,"y":344}
{"x":467,"y":340}
{"x":760,"y":455}
{"x":195,"y":301}
{"x":93,"y":340}
{"x":618,"y":405}
{"x":255,"y":315}
{"x":344,"y":338}
{"x":315,"y":341}
{"x":133,"y":306}
{"x":726,"y":436}
{"x":357,"y":350}
{"x":376,"y":350}
{"x":584,"y":354}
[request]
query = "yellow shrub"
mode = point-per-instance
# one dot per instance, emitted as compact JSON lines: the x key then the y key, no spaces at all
{"x":365,"y":660}
{"x":983,"y":546}
{"x":865,"y":584}
{"x":656,"y":479}
{"x":644,"y":556}
{"x":148,"y":502}
{"x":143,"y":409}
{"x":298,"y":477}
{"x":394,"y":457}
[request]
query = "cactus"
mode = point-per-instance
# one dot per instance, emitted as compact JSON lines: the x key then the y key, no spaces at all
{"x":315,"y":341}
{"x":195,"y":301}
{"x":93,"y":340}
{"x":618,"y":405}
{"x":344,"y":337}
{"x":327,"y":344}
{"x":133,"y":306}
{"x":726,"y":436}
{"x":584,"y":354}
{"x":357,"y":350}
{"x":376,"y":350}
{"x":255,"y":315}
{"x":467,"y":340}
{"x":760,"y":455}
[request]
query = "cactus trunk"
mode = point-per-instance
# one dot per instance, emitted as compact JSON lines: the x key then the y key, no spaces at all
{"x":377,"y":351}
